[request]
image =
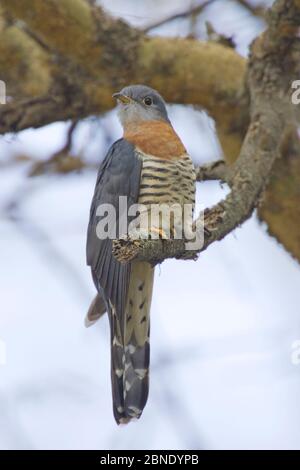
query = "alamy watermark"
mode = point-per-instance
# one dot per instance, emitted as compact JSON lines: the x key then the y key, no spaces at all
{"x":154,"y":221}
{"x":2,"y":92}
{"x":296,"y":94}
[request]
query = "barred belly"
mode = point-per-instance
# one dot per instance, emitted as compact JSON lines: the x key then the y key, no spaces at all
{"x":167,"y":182}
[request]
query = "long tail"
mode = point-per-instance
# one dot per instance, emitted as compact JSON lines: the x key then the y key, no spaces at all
{"x":130,"y":347}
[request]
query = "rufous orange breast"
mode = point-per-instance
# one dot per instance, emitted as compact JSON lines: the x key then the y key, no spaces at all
{"x":156,"y":138}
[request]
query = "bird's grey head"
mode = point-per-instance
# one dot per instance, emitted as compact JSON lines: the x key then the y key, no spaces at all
{"x":140,"y":103}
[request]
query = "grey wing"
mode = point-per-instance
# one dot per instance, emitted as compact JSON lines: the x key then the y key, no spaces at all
{"x":119,"y":175}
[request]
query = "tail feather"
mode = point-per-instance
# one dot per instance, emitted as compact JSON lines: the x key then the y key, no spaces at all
{"x":130,"y":354}
{"x":96,"y":310}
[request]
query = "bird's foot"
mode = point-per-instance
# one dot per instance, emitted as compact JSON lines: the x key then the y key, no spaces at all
{"x":157,"y":233}
{"x":125,"y":249}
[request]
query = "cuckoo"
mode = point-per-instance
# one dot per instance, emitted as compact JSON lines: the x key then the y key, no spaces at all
{"x":148,"y":166}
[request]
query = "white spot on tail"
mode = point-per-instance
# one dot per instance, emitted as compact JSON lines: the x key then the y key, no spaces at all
{"x":134,"y":411}
{"x":116,"y":342}
{"x":119,"y":372}
{"x":141,"y":373}
{"x":127,"y":386}
{"x":131,"y":349}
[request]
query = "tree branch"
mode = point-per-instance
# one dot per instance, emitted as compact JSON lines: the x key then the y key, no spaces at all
{"x":257,"y":10}
{"x":194,"y":11}
{"x":98,"y":47}
{"x":218,"y":170}
{"x":61,"y":161}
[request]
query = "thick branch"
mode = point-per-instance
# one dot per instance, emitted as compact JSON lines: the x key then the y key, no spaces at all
{"x":15,"y":116}
{"x":98,"y":48}
{"x":24,"y":66}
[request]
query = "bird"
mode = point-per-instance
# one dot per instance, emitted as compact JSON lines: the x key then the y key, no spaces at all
{"x":148,"y":165}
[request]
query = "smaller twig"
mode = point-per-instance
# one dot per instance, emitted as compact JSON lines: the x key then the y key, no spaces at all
{"x":258,"y":10}
{"x":217,"y":170}
{"x":183,"y":14}
{"x":213,"y":36}
{"x":69,"y":139}
{"x":61,"y":161}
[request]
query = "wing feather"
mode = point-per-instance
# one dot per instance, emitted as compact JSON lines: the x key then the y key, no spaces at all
{"x":118,"y":175}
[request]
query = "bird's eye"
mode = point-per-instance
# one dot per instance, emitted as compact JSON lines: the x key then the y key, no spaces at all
{"x":148,"y":101}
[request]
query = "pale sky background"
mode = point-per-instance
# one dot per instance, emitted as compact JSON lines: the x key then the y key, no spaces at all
{"x":222,"y":328}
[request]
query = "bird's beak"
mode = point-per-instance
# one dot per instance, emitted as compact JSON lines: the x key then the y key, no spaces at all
{"x":123,"y":98}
